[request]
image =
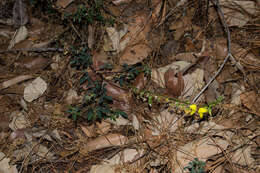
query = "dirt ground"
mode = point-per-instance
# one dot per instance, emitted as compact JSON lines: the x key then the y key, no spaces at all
{"x":152,"y":86}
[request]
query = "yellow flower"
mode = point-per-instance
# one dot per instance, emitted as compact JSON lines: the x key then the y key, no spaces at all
{"x":193,"y":108}
{"x":201,"y":111}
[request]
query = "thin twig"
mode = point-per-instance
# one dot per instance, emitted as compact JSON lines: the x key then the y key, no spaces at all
{"x":229,"y":55}
{"x":33,"y":50}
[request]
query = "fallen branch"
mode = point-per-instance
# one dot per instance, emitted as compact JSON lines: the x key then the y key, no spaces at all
{"x":229,"y":55}
{"x":33,"y":50}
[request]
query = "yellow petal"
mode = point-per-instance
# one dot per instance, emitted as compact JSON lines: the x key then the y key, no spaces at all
{"x":201,"y":111}
{"x":193,"y":108}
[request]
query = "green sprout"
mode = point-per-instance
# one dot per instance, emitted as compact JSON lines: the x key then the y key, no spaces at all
{"x":196,"y":166}
{"x":188,"y":108}
{"x":75,"y":112}
{"x":89,"y":14}
{"x":131,"y":72}
{"x":81,"y":58}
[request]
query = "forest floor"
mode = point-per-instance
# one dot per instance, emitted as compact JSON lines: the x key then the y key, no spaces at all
{"x":119,"y":86}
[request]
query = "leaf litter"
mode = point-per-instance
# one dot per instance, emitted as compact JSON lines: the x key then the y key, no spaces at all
{"x":145,"y":58}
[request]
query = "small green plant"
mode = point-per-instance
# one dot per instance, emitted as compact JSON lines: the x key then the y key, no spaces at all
{"x":88,"y":14}
{"x":81,"y":58}
{"x":96,"y":104}
{"x":46,"y":6}
{"x":75,"y":112}
{"x":196,"y":166}
{"x":131,"y":72}
{"x":176,"y":104}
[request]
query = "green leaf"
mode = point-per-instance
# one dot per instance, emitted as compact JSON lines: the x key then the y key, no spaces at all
{"x":74,"y":117}
{"x":122,"y":113}
{"x":99,"y":114}
{"x":90,"y":114}
{"x":210,"y":111}
{"x":104,"y":110}
{"x":150,"y":100}
{"x":108,"y":98}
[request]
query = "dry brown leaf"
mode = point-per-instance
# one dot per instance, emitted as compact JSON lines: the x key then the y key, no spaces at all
{"x":100,"y":59}
{"x":103,"y":168}
{"x":188,"y":57}
{"x":91,"y":32}
{"x":118,"y":2}
{"x":124,"y":106}
{"x":20,"y":121}
{"x":180,"y":26}
{"x":17,"y":134}
{"x":33,"y":63}
{"x":241,"y":54}
{"x":122,"y":98}
{"x":104,"y":142}
{"x":4,"y":118}
{"x":209,"y":67}
{"x":151,"y":140}
{"x":139,"y":27}
{"x":118,"y":93}
{"x":165,"y":121}
{"x":242,"y":156}
{"x":158,"y":74}
{"x":89,"y":131}
{"x":140,"y":81}
{"x":170,"y":48}
{"x":114,"y":43}
{"x":258,"y":3}
{"x":127,"y":155}
{"x":34,"y":89}
{"x":103,"y":127}
{"x":251,"y":100}
{"x":135,"y":54}
{"x":175,"y":85}
{"x":5,"y":165}
{"x":202,"y":149}
{"x":137,"y":48}
{"x":190,"y":46}
{"x":14,"y":81}
{"x":236,"y":12}
{"x":63,"y":3}
{"x":20,"y":16}
{"x":93,"y":76}
{"x":20,"y":35}
{"x":97,"y":65}
{"x":72,"y":97}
